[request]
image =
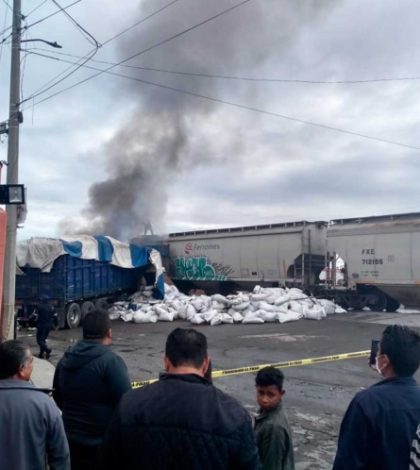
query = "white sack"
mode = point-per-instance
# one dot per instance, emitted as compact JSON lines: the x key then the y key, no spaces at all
{"x":328,"y":305}
{"x":226,"y":318}
{"x":252,"y":319}
{"x":216,"y":320}
{"x":295,"y":306}
{"x":289,"y":316}
{"x":314,"y":313}
{"x":241,"y":306}
{"x":197,"y":303}
{"x":208,"y":316}
{"x":197,"y":320}
{"x":258,"y":297}
{"x":141,"y":317}
{"x":237,"y":317}
{"x":127,"y":316}
{"x":166,"y":316}
{"x":296,"y":294}
{"x":219,"y":306}
{"x":267,"y":316}
{"x":190,"y":312}
{"x":220,"y":298}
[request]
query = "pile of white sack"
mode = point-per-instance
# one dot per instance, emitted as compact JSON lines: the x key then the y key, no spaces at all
{"x":262,"y":305}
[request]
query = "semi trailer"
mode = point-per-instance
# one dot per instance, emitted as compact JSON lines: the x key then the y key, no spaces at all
{"x":79,"y":274}
{"x":378,"y":257}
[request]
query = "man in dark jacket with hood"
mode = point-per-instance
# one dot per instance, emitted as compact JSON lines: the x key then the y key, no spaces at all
{"x":89,"y":382}
{"x":182,"y":421}
{"x":381,"y":421}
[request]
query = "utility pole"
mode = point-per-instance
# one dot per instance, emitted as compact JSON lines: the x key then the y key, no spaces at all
{"x":15,"y":118}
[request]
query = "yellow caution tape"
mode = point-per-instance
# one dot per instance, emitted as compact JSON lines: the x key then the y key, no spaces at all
{"x":298,"y":362}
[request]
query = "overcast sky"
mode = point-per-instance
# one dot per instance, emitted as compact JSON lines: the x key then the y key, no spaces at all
{"x":111,"y":153}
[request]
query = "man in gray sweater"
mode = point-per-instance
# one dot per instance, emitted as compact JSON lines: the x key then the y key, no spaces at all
{"x":31,"y":429}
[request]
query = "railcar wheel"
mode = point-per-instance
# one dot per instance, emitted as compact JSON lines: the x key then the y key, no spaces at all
{"x":392,"y":305}
{"x":377,"y":302}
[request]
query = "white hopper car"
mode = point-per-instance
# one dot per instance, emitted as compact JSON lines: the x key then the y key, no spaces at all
{"x":380,"y":259}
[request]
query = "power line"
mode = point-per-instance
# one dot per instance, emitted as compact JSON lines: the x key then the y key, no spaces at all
{"x":236,"y":77}
{"x":8,"y":6}
{"x":4,"y":40}
{"x":148,"y":49}
{"x":243,"y":106}
{"x":52,"y":14}
{"x":111,"y":38}
{"x":140,"y":21}
{"x":89,"y":55}
{"x":86,"y":33}
{"x":36,"y":8}
{"x":5,"y":29}
{"x":64,"y":75}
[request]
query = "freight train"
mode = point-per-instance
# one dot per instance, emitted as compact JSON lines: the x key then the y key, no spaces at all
{"x":378,"y":259}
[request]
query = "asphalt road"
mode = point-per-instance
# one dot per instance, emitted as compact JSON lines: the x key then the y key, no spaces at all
{"x":316,"y":395}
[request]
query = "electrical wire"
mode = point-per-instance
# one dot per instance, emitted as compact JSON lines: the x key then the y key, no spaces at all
{"x":53,"y":14}
{"x":120,"y":33}
{"x":83,"y":60}
{"x":42,"y":19}
{"x":6,"y":14}
{"x":23,"y":67}
{"x":8,"y":6}
{"x":140,"y":22}
{"x":148,"y":49}
{"x":64,"y":75}
{"x":5,"y":29}
{"x":86,"y":33}
{"x":36,"y":8}
{"x":246,"y":107}
{"x":90,"y":54}
{"x":235,"y":77}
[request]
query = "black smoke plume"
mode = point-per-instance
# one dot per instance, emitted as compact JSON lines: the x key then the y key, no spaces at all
{"x":167,"y":130}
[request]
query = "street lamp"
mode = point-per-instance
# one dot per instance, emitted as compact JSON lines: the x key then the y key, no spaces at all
{"x":12,"y":194}
{"x":52,"y":44}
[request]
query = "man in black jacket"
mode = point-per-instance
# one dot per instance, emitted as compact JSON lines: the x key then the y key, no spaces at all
{"x":182,"y":421}
{"x":381,"y":421}
{"x":46,"y":319}
{"x":89,"y":382}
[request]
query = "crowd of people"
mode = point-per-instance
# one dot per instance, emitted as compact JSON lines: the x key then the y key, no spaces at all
{"x":182,"y":421}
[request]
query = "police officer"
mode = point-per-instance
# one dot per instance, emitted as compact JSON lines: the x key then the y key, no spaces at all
{"x":46,"y":320}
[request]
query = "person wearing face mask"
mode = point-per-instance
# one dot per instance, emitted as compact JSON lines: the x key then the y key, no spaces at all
{"x":380,"y":423}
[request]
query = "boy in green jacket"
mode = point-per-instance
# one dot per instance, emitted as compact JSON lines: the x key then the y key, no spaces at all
{"x":274,"y":438}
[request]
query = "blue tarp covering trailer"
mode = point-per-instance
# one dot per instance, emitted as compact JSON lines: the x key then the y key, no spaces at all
{"x":80,"y":275}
